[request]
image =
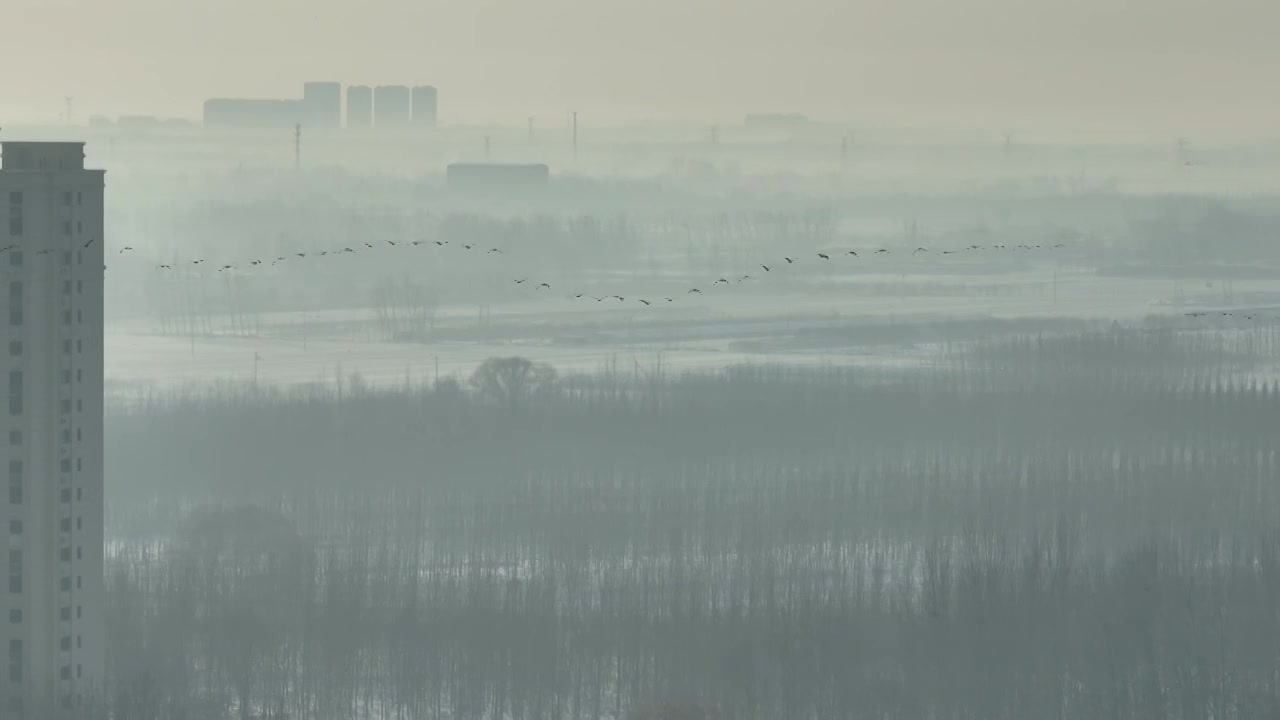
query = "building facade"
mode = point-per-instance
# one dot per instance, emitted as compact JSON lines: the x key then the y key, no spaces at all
{"x":359,"y":106}
{"x":425,"y":106}
{"x":51,"y":333}
{"x":392,"y":106}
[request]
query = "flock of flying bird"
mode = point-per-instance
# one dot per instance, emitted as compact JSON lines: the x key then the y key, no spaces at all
{"x":524,"y":281}
{"x":822,"y":256}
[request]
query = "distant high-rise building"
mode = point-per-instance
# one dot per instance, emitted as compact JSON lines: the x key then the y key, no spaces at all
{"x":323,"y":104}
{"x":391,"y":106}
{"x":359,"y":106}
{"x":52,"y":600}
{"x":424,"y":106}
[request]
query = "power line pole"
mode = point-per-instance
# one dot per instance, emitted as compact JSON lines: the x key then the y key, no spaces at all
{"x":297,"y":146}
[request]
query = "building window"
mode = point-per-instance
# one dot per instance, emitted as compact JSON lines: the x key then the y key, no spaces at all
{"x":66,"y":287}
{"x":15,"y":303}
{"x":77,"y":582}
{"x":65,"y":523}
{"x":66,"y":435}
{"x":15,"y":616}
{"x":79,"y":405}
{"x":79,"y":377}
{"x":15,"y":527}
{"x":78,"y":526}
{"x":78,"y":465}
{"x":66,"y":675}
{"x":15,"y":258}
{"x":78,"y":643}
{"x":65,"y":406}
{"x":79,"y":198}
{"x":79,"y":316}
{"x":65,"y":584}
{"x":79,"y":552}
{"x":66,"y":377}
{"x":65,"y":554}
{"x":66,"y":317}
{"x":66,"y":198}
{"x":15,"y":482}
{"x":66,"y":227}
{"x":66,"y":258}
{"x":15,"y":437}
{"x":15,"y":348}
{"x":66,"y":465}
{"x":65,"y":643}
{"x":79,"y":231}
{"x":79,"y":615}
{"x":15,"y":572}
{"x":65,"y":496}
{"x":79,"y":346}
{"x":15,"y":392}
{"x":15,"y":212}
{"x":77,"y":434}
{"x":66,"y":347}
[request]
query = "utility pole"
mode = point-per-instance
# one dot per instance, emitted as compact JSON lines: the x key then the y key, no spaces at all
{"x":256,"y":358}
{"x":297,"y":146}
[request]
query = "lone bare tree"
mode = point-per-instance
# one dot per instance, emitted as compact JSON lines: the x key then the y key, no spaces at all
{"x":512,"y":380}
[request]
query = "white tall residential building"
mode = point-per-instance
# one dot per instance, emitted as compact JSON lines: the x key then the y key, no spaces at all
{"x":51,"y":591}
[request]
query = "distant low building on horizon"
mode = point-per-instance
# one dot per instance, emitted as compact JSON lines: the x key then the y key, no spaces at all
{"x":319,"y":108}
{"x":775,"y":121}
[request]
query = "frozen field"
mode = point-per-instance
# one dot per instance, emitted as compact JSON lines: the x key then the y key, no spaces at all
{"x":583,"y":335}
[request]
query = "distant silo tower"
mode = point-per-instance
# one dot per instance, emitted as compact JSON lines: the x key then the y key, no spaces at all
{"x":322,"y":104}
{"x":391,"y":105}
{"x":424,"y":106}
{"x":359,"y":106}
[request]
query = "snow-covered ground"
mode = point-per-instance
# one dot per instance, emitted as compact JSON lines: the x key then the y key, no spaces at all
{"x":583,"y":335}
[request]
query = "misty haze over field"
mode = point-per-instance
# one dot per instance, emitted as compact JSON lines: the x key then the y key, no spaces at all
{"x":755,"y":360}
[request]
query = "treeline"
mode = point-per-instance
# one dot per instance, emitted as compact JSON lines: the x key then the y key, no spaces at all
{"x":1080,"y":541}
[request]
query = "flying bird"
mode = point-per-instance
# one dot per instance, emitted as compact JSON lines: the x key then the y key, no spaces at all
{"x":416,"y":242}
{"x":671,"y":299}
{"x":881,"y":250}
{"x":125,"y":248}
{"x":391,"y":243}
{"x":495,"y":250}
{"x":919,"y":250}
{"x":300,"y":254}
{"x":789,"y":260}
{"x":467,"y":246}
{"x":852,"y":252}
{"x":163,"y":267}
{"x":824,"y":256}
{"x":89,"y":242}
{"x":522,"y":280}
{"x":744,"y":277}
{"x":646,"y":302}
{"x":368,"y":245}
{"x":544,"y":285}
{"x":226,"y":267}
{"x":695,"y":290}
{"x":766,"y":268}
{"x":442,"y":244}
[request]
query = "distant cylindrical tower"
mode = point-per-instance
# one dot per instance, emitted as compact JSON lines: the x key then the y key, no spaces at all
{"x":391,"y":106}
{"x":424,"y":106}
{"x":359,"y":106}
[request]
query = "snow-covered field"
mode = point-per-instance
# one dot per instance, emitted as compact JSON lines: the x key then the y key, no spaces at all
{"x":583,"y":335}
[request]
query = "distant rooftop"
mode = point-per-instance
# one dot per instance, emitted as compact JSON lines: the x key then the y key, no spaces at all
{"x":16,"y":155}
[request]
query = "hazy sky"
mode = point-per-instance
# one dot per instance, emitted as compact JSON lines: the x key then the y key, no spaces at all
{"x":1094,"y":62}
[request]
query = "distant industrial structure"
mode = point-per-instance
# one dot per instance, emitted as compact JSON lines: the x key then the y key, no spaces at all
{"x":486,"y":176}
{"x":387,"y":106}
